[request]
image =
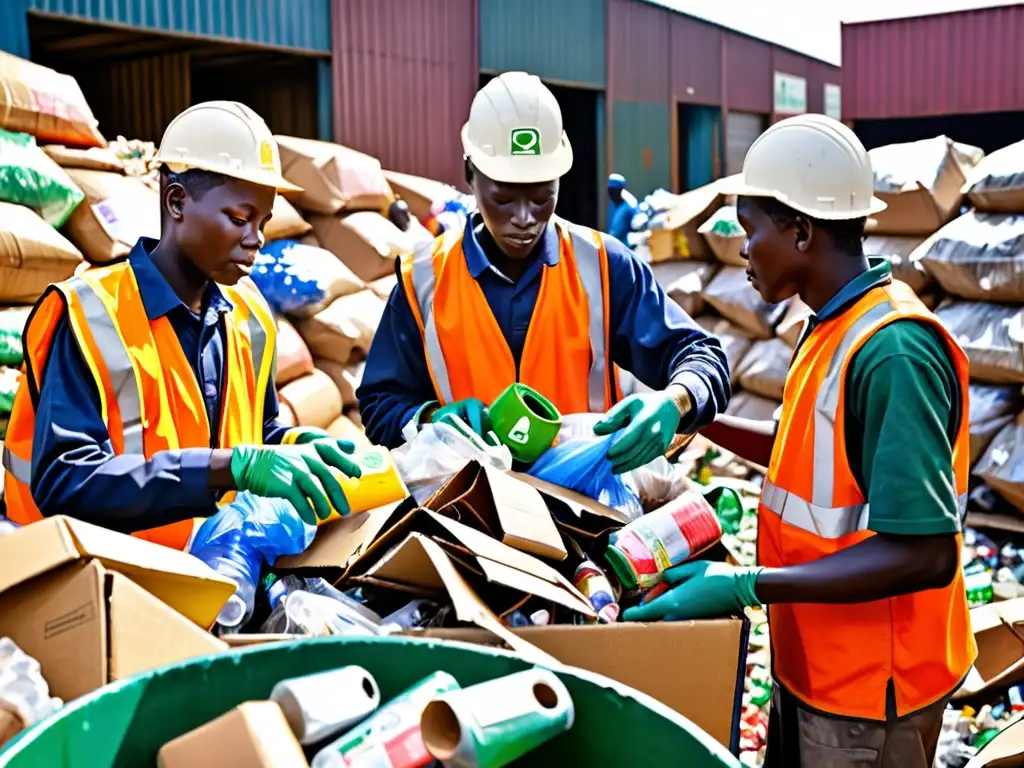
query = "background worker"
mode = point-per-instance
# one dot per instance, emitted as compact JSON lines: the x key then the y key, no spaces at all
{"x":520,"y":296}
{"x":621,"y":208}
{"x":149,"y":386}
{"x":860,"y":514}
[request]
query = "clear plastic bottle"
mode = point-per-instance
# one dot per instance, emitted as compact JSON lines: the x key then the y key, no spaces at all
{"x":242,"y":566}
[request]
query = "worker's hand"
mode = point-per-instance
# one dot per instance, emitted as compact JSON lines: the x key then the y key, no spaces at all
{"x":648,"y":422}
{"x":700,"y":590}
{"x":307,"y":435}
{"x":462,"y":413}
{"x":300,"y":474}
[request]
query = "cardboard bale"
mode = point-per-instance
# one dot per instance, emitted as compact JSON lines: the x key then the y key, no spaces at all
{"x":992,"y":409}
{"x":735,"y":299}
{"x":346,"y":377}
{"x":313,"y":398}
{"x":725,"y":236}
{"x":343,"y":428}
{"x":116,"y":212}
{"x":735,"y":341}
{"x":746,"y":405}
{"x":921,"y":183}
{"x":47,"y":104}
{"x":344,"y":330}
{"x":978,"y":256}
{"x":93,"y":606}
{"x":902,"y":255}
{"x":255,"y":734}
{"x":366,"y":242}
{"x":996,"y":184}
{"x":684,"y":282}
{"x":333,"y":178}
{"x":679,"y":236}
{"x":992,"y":335}
{"x":286,"y":223}
{"x":32,"y":255}
{"x":764,"y":368}
{"x":385,"y":286}
{"x":1002,"y":465}
{"x":792,"y":325}
{"x":293,"y":358}
{"x":999,"y":631}
{"x":419,"y":193}
{"x":91,"y":158}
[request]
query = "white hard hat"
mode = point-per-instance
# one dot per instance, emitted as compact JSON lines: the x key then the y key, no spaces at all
{"x":224,"y":137}
{"x":514,"y":133}
{"x":812,"y":163}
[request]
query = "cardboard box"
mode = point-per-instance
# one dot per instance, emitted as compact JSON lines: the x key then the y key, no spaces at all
{"x":502,"y":506}
{"x":94,"y":606}
{"x":1006,"y":750}
{"x":252,"y":735}
{"x":999,"y":632}
{"x":419,"y":193}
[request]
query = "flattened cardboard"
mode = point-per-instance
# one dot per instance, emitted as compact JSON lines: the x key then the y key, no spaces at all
{"x":578,"y":514}
{"x":999,"y":632}
{"x":339,"y":542}
{"x":252,"y":735}
{"x":1006,"y":750}
{"x":694,"y":667}
{"x":186,"y":584}
{"x":502,"y":506}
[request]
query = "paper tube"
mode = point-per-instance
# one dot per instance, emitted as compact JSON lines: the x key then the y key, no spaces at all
{"x":322,"y":705}
{"x":495,"y":723}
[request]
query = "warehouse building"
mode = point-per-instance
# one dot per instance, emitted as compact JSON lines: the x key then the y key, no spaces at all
{"x":666,"y":99}
{"x":959,"y":74}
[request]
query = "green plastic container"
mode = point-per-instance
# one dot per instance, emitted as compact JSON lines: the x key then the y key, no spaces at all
{"x":126,"y":723}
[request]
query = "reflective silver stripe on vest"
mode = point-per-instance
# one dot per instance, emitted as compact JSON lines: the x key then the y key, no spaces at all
{"x":117,"y":361}
{"x":258,"y":339}
{"x":17,"y":466}
{"x":588,"y":263}
{"x":423,"y":284}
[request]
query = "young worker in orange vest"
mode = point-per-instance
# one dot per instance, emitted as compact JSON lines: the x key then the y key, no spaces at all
{"x":149,"y":383}
{"x":518,"y":295}
{"x":859,"y":524}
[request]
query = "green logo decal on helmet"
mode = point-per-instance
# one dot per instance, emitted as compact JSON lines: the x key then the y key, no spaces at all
{"x":525,"y":141}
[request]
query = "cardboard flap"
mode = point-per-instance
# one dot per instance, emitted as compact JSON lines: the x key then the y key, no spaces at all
{"x":145,"y":633}
{"x":1006,"y":750}
{"x":999,"y":631}
{"x":421,"y":551}
{"x":340,"y":541}
{"x":34,"y":550}
{"x":583,"y":507}
{"x":531,"y":585}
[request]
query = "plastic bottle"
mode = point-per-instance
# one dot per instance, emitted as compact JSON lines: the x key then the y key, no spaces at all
{"x":979,"y":589}
{"x":231,"y":557}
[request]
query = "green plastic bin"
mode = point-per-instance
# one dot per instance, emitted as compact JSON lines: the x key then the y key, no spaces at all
{"x":126,"y":723}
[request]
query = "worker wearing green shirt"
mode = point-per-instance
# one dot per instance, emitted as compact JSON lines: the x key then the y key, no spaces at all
{"x":860,"y":512}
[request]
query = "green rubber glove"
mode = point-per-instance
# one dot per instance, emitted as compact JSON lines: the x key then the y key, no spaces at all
{"x":701,"y":590}
{"x":648,"y":422}
{"x":471,"y":412}
{"x":298,"y":474}
{"x":307,"y":435}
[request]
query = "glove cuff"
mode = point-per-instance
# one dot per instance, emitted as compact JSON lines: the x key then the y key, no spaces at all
{"x":748,"y":587}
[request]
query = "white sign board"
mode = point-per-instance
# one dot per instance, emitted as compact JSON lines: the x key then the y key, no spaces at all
{"x":833,"y":101}
{"x":790,"y":94}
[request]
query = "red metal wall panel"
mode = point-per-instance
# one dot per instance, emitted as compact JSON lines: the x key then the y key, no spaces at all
{"x":639,"y":51}
{"x":696,"y":61}
{"x":405,"y":73}
{"x":818,"y":74}
{"x":954,"y":63}
{"x":749,"y":83}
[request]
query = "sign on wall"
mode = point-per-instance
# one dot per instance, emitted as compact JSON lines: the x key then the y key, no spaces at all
{"x":790,"y":94}
{"x":833,"y":101}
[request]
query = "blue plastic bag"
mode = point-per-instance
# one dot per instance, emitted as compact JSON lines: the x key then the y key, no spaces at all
{"x":287,"y":280}
{"x":581,"y":464}
{"x":236,"y":541}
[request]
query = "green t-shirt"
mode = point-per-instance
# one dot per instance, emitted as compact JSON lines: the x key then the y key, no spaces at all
{"x":902,"y":415}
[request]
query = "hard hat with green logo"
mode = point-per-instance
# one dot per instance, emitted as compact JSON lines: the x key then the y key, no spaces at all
{"x":224,"y":137}
{"x":514,"y":133}
{"x":812,"y":163}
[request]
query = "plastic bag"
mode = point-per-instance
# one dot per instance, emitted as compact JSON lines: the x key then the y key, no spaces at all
{"x":997,"y":182}
{"x":30,"y":178}
{"x":288,"y":283}
{"x":580,"y":464}
{"x":991,"y":335}
{"x":435,"y":452}
{"x":12,"y":328}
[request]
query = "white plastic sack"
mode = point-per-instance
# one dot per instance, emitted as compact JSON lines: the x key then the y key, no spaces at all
{"x":433,"y":453}
{"x":992,"y":409}
{"x":992,"y":335}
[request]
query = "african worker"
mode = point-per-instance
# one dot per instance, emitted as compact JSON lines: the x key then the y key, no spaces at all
{"x":520,"y":295}
{"x":148,"y":390}
{"x":859,"y":521}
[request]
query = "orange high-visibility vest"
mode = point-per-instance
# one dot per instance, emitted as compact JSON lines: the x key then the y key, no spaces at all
{"x":149,"y":396}
{"x":566,"y":356}
{"x":839,"y":658}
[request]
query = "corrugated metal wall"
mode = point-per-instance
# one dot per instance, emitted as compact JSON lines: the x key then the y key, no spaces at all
{"x":303,"y":24}
{"x":14,"y":28}
{"x":140,"y":96}
{"x":642,"y":134}
{"x":749,"y":83}
{"x":954,"y":63}
{"x":696,"y":61}
{"x":402,"y":91}
{"x":818,"y":76}
{"x":558,"y":40}
{"x":639,"y":51}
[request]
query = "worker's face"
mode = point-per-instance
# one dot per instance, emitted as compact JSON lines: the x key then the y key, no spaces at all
{"x":776,"y":266}
{"x":615,"y":194}
{"x":515,"y":214}
{"x":222,"y":231}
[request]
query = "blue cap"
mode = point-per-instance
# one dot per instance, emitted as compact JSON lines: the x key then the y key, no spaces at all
{"x":616,"y":181}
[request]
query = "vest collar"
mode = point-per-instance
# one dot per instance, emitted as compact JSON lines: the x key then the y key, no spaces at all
{"x":477,"y":261}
